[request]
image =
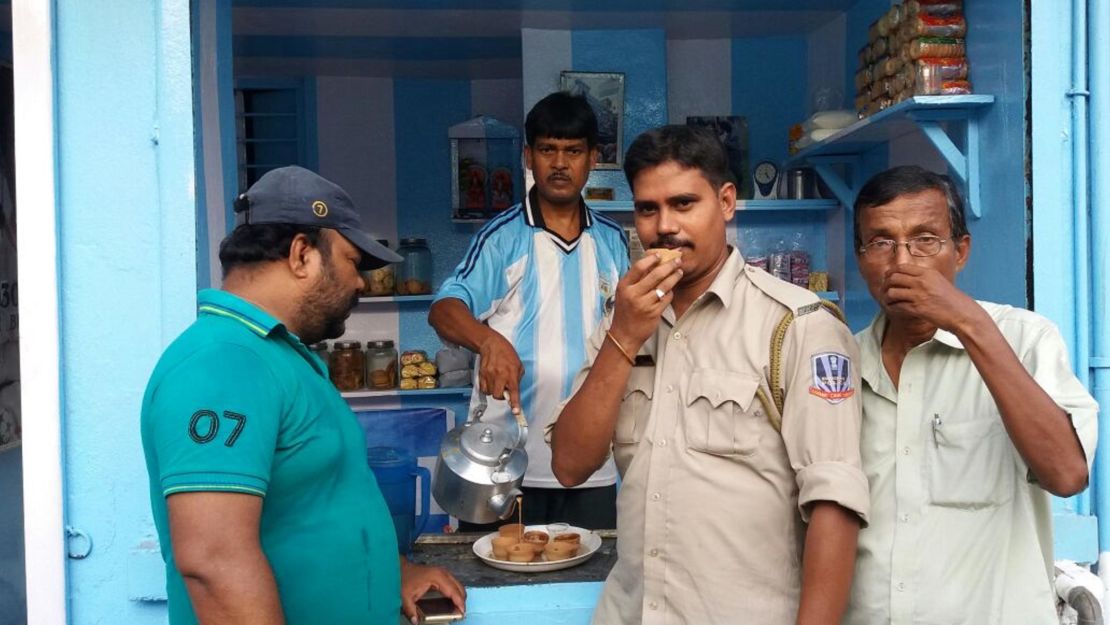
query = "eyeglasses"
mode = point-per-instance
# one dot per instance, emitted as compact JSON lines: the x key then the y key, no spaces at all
{"x":922,"y":246}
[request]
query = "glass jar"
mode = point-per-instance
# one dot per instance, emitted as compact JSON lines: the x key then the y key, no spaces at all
{"x":381,"y":365}
{"x":321,"y":350}
{"x":381,"y":281}
{"x":414,"y":276}
{"x":348,"y":368}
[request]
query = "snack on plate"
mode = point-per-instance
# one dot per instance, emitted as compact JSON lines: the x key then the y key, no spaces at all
{"x":536,"y":540}
{"x":501,"y":545}
{"x":426,"y":382}
{"x":408,"y":384}
{"x":521,"y":552}
{"x":573,"y":538}
{"x":559,"y":551}
{"x":665,"y":254}
{"x":410,"y":371}
{"x":427,"y":368}
{"x":413,"y":357}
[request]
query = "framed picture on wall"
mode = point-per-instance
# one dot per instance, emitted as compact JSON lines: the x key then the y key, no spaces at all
{"x":605,"y":93}
{"x":732,"y":130}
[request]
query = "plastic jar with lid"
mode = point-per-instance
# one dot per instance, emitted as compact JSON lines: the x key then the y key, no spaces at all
{"x":381,"y":281}
{"x":414,"y":275}
{"x":381,"y":364}
{"x":348,"y":367}
{"x":321,"y":350}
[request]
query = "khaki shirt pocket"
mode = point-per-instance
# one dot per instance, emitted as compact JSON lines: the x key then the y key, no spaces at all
{"x":722,"y":416}
{"x":970,"y":464}
{"x":632,"y":416}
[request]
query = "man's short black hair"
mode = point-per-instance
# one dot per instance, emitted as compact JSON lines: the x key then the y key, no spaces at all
{"x":562,"y":116}
{"x":888,"y":185}
{"x":692,"y":147}
{"x":249,"y":244}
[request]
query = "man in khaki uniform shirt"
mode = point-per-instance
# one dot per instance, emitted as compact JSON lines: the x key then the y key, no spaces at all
{"x":721,"y":518}
{"x":972,"y":417}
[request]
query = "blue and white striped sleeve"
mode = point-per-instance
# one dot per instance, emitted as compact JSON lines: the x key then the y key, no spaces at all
{"x":480,"y":280}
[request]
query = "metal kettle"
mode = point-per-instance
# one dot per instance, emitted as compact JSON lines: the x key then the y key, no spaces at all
{"x":481,"y":466}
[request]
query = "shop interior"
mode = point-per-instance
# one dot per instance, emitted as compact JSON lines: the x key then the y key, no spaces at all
{"x":371,"y":93}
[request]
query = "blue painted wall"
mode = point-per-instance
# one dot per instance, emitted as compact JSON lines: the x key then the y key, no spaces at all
{"x":997,"y":270}
{"x":769,"y":88}
{"x":424,"y":109}
{"x":127,"y":271}
{"x":641,"y":55}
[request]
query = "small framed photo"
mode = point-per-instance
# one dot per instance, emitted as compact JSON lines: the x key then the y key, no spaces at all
{"x":605,"y":93}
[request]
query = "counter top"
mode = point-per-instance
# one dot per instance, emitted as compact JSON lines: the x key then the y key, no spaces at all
{"x":455,"y":553}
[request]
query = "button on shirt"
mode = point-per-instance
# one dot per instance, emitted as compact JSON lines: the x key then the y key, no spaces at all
{"x":959,"y":533}
{"x":712,"y":507}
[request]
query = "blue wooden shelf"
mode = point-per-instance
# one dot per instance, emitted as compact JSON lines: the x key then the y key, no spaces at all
{"x":926,"y":114}
{"x":463,"y":391}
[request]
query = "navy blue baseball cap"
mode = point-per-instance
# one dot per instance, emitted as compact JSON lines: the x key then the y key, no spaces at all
{"x":295,"y":195}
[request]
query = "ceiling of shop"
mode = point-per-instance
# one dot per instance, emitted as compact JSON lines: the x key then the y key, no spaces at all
{"x":476,"y":38}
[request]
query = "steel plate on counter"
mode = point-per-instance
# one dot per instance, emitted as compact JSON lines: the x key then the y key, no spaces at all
{"x":591,"y":542}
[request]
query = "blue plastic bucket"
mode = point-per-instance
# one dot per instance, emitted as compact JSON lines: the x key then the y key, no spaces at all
{"x":397,"y":473}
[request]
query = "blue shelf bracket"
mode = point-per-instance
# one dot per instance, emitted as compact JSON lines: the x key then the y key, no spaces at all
{"x":963,"y":163}
{"x":844,"y":191}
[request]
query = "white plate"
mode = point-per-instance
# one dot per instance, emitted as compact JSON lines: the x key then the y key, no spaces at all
{"x":591,"y":542}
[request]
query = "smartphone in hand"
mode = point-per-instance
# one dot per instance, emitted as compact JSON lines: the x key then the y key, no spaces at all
{"x":437,"y":610}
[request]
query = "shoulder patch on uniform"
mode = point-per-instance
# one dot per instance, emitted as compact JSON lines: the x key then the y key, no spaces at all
{"x":800,"y":301}
{"x":832,"y":377}
{"x":808,"y":308}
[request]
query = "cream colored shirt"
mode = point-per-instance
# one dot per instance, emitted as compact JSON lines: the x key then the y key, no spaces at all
{"x":712,"y":509}
{"x":958,"y":534}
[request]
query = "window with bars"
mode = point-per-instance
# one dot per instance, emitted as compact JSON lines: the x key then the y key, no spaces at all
{"x":270,"y":129}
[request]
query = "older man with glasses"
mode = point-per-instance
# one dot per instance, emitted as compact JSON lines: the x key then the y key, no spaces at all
{"x":972,"y":417}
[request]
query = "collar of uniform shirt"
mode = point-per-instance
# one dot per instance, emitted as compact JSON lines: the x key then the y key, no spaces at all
{"x":723,"y":286}
{"x":870,"y":347}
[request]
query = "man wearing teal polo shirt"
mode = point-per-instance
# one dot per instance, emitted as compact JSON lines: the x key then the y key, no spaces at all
{"x":266,"y":510}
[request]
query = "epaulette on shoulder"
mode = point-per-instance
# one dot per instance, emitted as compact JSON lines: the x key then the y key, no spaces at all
{"x":799,"y":301}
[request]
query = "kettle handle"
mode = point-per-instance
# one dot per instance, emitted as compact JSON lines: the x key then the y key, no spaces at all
{"x":521,"y":421}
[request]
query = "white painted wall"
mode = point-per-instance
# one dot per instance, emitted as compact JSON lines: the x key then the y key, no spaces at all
{"x":699,"y":78}
{"x":356,"y":143}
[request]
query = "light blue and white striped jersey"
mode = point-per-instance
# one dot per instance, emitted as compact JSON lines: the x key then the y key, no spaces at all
{"x":547,"y":296}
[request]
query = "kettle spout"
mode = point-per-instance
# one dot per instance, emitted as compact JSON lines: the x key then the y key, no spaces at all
{"x":503,"y":504}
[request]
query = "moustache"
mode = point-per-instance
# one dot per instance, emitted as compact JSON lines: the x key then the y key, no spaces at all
{"x":671,"y":241}
{"x":560,"y":177}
